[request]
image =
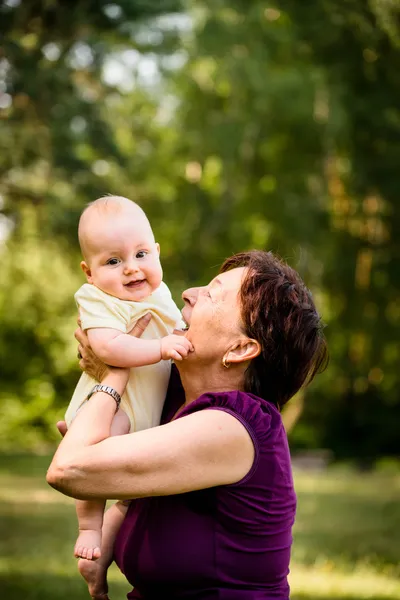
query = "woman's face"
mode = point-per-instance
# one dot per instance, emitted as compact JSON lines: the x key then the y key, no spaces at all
{"x":213,"y":315}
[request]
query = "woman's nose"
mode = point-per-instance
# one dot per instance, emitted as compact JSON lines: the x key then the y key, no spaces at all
{"x":190,"y":296}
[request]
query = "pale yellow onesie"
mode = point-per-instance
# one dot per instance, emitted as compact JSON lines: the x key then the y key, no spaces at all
{"x":147,"y":386}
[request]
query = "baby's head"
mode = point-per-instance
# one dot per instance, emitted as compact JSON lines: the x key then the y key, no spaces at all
{"x":120,"y":254}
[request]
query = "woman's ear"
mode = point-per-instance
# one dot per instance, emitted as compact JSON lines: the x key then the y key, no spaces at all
{"x":87,"y":271}
{"x":244,"y":350}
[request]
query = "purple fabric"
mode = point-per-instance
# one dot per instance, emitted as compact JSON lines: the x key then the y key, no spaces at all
{"x":229,"y":542}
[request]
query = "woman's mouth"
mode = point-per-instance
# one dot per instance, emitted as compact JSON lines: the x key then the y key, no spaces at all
{"x":185,"y":314}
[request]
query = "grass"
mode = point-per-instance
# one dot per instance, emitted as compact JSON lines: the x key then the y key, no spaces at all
{"x":346,"y":546}
{"x":347,"y":536}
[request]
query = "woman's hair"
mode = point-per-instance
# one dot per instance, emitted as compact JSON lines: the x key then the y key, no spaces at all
{"x":278,"y":311}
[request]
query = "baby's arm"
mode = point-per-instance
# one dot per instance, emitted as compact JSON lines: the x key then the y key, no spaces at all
{"x":122,"y":350}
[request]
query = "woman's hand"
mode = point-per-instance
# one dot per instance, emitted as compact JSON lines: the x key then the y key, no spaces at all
{"x":89,"y":362}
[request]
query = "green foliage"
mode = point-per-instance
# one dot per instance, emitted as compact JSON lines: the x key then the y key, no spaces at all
{"x":57,"y":131}
{"x":52,"y":67}
{"x":361,"y":275}
{"x":37,"y":352}
{"x":253,"y":126}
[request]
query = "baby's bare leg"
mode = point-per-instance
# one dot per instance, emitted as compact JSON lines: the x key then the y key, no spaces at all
{"x":95,"y":572}
{"x":90,"y":519}
{"x":90,"y":512}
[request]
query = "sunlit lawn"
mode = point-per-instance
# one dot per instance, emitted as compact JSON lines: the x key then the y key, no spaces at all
{"x":347,"y":537}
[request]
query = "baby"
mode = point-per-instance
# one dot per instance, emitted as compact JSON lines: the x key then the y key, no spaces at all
{"x":124,"y":274}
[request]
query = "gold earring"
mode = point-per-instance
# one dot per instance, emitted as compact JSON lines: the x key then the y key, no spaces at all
{"x":225,"y":363}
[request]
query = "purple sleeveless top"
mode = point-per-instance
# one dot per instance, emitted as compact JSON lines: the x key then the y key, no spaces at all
{"x":230,"y":542}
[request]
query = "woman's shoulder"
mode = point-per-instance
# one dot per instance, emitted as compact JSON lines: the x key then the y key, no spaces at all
{"x":259,"y":416}
{"x":263,"y":423}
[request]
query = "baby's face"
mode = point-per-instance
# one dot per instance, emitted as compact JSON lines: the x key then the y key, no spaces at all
{"x":123,"y":258}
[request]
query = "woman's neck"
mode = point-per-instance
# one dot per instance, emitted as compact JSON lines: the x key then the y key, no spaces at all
{"x":198,"y":379}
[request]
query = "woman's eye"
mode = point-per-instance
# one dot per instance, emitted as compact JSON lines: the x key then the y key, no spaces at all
{"x":113,"y":261}
{"x":141,"y":254}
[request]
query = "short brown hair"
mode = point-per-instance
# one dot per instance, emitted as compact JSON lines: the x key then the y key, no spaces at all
{"x":278,"y":311}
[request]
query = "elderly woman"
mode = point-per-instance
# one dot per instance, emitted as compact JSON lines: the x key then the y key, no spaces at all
{"x":213,"y":493}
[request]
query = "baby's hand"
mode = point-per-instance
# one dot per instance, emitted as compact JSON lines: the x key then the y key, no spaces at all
{"x":175,"y":346}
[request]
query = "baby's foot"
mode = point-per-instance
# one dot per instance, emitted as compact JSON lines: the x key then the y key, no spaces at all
{"x":88,"y":544}
{"x":95,"y":575}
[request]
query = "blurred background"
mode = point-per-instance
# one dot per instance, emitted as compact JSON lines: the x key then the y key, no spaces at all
{"x":235,"y":124}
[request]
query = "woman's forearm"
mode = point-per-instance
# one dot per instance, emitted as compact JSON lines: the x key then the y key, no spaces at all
{"x":200,"y":450}
{"x":91,"y":425}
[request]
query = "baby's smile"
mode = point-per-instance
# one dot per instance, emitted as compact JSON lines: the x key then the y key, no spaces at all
{"x":135,"y":283}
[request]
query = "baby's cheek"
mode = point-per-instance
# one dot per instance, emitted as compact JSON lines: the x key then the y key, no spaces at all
{"x":157,"y":275}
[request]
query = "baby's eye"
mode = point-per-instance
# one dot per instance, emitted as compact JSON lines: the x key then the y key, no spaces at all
{"x":141,"y":254}
{"x":113,"y":261}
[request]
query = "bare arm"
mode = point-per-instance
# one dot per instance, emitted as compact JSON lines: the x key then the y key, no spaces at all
{"x":122,"y":350}
{"x":201,"y":450}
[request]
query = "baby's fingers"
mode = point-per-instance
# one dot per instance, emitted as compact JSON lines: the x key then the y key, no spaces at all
{"x":183,"y":351}
{"x":174,"y":354}
{"x":186,"y":344}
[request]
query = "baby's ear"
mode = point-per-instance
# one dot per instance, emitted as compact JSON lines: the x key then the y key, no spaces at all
{"x":158,"y":247}
{"x":85,"y":268}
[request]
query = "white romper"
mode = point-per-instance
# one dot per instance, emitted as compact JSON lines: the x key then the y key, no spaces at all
{"x":145,"y":392}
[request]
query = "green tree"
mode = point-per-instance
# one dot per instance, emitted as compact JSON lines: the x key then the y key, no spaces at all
{"x":357,"y":46}
{"x":271,"y":126}
{"x":59,"y":149}
{"x":288,"y":121}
